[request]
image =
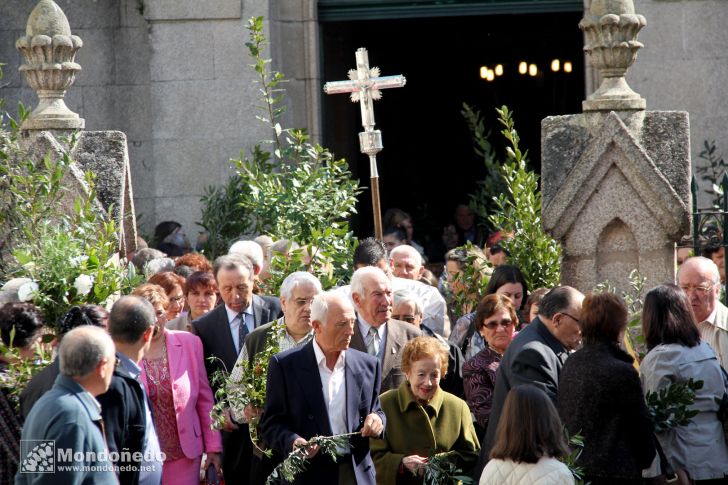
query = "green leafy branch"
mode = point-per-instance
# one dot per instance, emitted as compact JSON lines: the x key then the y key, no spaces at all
{"x":518,"y":214}
{"x":669,"y":407}
{"x":441,"y":469}
{"x":296,"y":461}
{"x":576,"y":447}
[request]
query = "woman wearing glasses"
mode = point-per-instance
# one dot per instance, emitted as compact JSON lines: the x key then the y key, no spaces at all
{"x":600,"y":397}
{"x":174,"y":375}
{"x":495,"y":319}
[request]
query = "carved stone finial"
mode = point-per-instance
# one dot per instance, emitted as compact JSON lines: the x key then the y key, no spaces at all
{"x":49,"y":50}
{"x":611,"y":29}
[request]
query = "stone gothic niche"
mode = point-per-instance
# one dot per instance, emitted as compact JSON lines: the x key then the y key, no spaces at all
{"x":617,"y":250}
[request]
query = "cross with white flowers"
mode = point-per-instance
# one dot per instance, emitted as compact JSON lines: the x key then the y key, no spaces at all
{"x":365,"y":85}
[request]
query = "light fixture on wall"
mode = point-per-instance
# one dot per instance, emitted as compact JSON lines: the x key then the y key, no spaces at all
{"x":483,"y":72}
{"x":523,"y":67}
{"x":555,"y":65}
{"x":532,"y":70}
{"x":499,"y":70}
{"x":567,"y":66}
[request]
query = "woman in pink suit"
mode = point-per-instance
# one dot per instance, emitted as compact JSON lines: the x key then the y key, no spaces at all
{"x":173,"y":373}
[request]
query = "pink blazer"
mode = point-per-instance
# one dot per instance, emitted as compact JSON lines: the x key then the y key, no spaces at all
{"x":192,"y":395}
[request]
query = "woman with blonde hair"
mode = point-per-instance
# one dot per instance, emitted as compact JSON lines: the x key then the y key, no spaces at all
{"x":422,"y":419}
{"x":174,"y":375}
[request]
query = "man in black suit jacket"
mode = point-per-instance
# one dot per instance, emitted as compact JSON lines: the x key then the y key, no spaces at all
{"x":223,"y":332}
{"x":536,"y":355}
{"x":124,"y":406}
{"x":324,"y":389}
{"x":371,"y":290}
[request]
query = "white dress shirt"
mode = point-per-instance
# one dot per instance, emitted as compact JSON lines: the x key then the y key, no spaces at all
{"x":333,"y":384}
{"x":234,"y":323}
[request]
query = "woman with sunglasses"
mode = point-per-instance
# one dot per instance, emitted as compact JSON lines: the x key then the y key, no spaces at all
{"x":174,"y":375}
{"x":495,"y":320}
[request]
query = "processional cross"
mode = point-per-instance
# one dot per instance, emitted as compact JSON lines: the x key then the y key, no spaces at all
{"x":365,"y":85}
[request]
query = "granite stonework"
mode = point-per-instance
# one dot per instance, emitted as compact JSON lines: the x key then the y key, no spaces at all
{"x":103,"y":153}
{"x":616,"y":194}
{"x":616,"y":179}
{"x":52,"y":130}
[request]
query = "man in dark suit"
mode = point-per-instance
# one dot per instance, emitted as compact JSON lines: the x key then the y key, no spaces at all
{"x":375,"y":332}
{"x":323,"y":389}
{"x":536,"y":355}
{"x":223,"y":332}
{"x":297,"y":292}
{"x":124,"y":407}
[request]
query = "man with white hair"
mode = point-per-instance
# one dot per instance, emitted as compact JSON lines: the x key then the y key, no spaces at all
{"x":324,"y":388}
{"x":376,"y":332}
{"x":699,"y":278}
{"x":68,"y":416}
{"x":297,"y":293}
{"x":251,"y":250}
{"x":372,"y":252}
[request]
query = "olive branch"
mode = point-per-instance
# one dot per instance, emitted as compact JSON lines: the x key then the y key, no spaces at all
{"x":297,"y":461}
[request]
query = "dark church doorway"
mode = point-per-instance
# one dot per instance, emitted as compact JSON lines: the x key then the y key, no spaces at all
{"x":428,"y":165}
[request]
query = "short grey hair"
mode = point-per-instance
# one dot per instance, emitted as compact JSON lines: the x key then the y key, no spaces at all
{"x":249,"y":249}
{"x":406,"y":250}
{"x":405,"y":296}
{"x":130,"y":317}
{"x":321,"y":302}
{"x":297,"y":278}
{"x":701,"y":263}
{"x":82,"y":349}
{"x":158,"y":265}
{"x":233,"y":261}
{"x":357,"y":280}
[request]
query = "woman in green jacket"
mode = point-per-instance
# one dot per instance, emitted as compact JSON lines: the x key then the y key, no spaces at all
{"x":422,"y":419}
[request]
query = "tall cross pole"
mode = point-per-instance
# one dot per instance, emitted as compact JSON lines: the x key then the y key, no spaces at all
{"x":365,"y":85}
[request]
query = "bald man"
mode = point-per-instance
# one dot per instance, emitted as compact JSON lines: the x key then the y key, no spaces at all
{"x":700,"y":279}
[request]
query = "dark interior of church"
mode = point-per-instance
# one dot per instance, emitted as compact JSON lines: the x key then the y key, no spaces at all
{"x":428,"y":165}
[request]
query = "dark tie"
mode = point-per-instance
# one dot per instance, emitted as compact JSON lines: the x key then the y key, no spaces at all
{"x":242,"y":331}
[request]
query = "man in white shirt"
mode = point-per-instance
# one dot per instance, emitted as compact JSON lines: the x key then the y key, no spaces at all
{"x":324,"y":389}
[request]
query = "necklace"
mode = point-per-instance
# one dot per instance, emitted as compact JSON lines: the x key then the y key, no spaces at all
{"x":163,"y":372}
{"x":500,"y":354}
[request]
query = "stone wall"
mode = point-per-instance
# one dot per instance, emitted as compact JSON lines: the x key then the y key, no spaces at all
{"x":684,"y":66}
{"x":173,"y":75}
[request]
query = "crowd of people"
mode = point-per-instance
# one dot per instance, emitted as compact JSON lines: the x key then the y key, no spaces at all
{"x":492,"y":387}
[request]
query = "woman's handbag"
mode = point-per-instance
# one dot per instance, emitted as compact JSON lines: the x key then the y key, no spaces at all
{"x":669,"y":475}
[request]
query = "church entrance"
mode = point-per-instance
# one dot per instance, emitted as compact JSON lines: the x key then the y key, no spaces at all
{"x":428,"y":165}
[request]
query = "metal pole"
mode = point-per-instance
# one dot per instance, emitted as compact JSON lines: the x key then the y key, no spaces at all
{"x":696,"y":216}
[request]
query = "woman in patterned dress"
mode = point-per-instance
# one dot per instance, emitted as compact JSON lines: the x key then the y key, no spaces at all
{"x":495,"y":319}
{"x":173,"y":373}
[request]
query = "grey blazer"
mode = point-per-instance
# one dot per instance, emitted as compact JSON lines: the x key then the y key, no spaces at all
{"x":398,"y":334}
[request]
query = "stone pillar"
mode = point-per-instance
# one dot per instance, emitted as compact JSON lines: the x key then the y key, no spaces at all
{"x":615,"y":179}
{"x":49,"y":50}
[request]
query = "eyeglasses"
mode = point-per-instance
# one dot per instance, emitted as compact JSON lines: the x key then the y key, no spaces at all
{"x":405,"y":318}
{"x":701,"y":290}
{"x":117,"y":363}
{"x":179,"y":300}
{"x":494,"y":325}
{"x":570,"y":316}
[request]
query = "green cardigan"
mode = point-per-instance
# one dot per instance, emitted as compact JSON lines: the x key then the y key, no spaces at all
{"x":411,"y":431}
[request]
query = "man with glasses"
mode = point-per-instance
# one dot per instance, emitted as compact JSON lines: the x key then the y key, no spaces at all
{"x":408,"y":307}
{"x":125,"y":409}
{"x":536,"y":355}
{"x":700,"y":280}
